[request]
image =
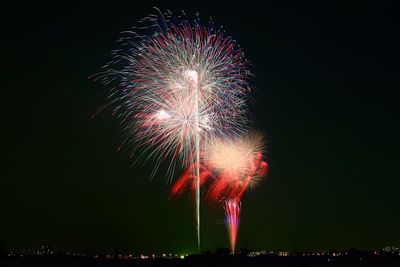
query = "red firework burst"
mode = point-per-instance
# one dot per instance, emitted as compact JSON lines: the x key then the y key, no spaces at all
{"x":228,"y":168}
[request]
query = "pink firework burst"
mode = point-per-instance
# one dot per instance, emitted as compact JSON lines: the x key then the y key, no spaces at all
{"x":229,"y":167}
{"x":238,"y":163}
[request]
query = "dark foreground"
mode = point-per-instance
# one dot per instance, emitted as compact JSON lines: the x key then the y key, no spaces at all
{"x":205,"y":260}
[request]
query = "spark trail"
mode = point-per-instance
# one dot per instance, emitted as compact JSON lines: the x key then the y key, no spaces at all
{"x":232,"y":211}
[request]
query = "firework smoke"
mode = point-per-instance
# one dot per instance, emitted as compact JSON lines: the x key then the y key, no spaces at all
{"x":178,"y":87}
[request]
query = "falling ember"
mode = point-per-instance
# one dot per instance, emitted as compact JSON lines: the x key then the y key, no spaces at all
{"x":232,"y":213}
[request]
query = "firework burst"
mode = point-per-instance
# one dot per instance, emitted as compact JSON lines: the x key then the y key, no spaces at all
{"x":178,"y":87}
{"x":229,"y":167}
{"x":237,"y":162}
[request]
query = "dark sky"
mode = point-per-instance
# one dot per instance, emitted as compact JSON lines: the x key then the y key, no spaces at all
{"x":327,"y":100}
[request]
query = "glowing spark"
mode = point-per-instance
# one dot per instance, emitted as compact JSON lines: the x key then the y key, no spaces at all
{"x":192,"y":76}
{"x":162,"y":115}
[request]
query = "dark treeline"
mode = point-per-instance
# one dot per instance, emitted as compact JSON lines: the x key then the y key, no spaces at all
{"x":361,"y":259}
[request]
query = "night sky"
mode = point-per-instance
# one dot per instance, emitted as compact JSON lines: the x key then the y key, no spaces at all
{"x":327,"y":100}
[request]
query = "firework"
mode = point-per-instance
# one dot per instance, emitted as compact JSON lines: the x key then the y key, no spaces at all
{"x":238,"y":164}
{"x":229,"y":167}
{"x":232,"y":212}
{"x":178,"y":87}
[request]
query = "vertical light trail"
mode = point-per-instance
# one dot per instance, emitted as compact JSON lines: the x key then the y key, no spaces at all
{"x":197,"y":141}
{"x":232,"y":212}
{"x":192,"y":77}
